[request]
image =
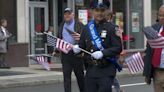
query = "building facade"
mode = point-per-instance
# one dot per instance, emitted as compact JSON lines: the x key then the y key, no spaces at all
{"x":26,"y":17}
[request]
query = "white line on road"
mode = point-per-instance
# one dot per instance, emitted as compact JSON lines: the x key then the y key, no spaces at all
{"x":136,"y":84}
{"x":130,"y":85}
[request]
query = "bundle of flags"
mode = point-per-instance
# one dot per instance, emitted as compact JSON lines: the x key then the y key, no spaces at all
{"x":135,"y":63}
{"x":154,"y":39}
{"x":41,"y":59}
{"x":58,"y":44}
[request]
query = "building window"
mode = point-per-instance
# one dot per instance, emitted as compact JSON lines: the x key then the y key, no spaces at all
{"x":128,"y":15}
{"x":136,"y":22}
{"x":129,"y":18}
{"x":8,"y":11}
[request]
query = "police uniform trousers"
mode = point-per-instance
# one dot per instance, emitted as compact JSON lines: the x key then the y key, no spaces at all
{"x":70,"y":63}
{"x":99,"y":84}
{"x":99,"y":80}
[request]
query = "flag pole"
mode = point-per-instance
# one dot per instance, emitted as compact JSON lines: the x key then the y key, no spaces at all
{"x":79,"y":48}
{"x":85,"y":51}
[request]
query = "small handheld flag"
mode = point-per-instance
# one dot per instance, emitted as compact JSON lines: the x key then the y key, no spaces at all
{"x":59,"y":44}
{"x":41,"y":59}
{"x":135,"y":63}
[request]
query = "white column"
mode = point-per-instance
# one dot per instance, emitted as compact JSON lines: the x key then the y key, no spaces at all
{"x":147,"y":14}
{"x":71,"y":4}
{"x":55,"y":15}
{"x":111,"y":5}
{"x":23,"y":21}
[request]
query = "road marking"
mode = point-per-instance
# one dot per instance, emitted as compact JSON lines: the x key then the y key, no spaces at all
{"x":136,"y":84}
{"x":130,"y":85}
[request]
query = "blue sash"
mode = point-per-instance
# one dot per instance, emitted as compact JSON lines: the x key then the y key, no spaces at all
{"x":96,"y":39}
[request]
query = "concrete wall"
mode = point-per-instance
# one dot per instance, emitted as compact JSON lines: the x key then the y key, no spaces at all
{"x":23,"y":21}
{"x":71,"y":4}
{"x":17,"y":52}
{"x":147,"y":15}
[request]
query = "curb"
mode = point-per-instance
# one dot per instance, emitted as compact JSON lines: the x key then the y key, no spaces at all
{"x":35,"y":81}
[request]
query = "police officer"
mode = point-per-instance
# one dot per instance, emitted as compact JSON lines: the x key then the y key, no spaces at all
{"x":101,"y":39}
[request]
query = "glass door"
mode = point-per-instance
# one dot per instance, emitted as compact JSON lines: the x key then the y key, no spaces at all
{"x":120,"y":18}
{"x":38,"y":14}
{"x":129,"y":17}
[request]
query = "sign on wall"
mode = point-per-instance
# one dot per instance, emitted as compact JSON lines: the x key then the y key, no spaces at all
{"x":83,"y":16}
{"x":135,"y":22}
{"x":79,"y":2}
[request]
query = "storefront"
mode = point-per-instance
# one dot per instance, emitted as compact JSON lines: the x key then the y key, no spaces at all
{"x":129,"y":15}
{"x":26,"y":17}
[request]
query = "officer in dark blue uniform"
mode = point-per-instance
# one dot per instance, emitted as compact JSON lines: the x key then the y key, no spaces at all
{"x":101,"y":39}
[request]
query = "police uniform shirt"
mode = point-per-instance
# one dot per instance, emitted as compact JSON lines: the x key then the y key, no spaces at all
{"x":112,"y":42}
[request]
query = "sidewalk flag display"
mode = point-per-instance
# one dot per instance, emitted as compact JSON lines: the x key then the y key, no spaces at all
{"x":41,"y":59}
{"x":155,"y":40}
{"x":59,"y":44}
{"x":135,"y":63}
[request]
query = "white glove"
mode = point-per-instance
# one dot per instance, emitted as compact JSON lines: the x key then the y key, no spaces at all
{"x":76,"y":49}
{"x":97,"y":55}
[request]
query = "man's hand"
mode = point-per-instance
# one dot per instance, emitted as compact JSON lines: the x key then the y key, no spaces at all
{"x":148,"y":80}
{"x":76,"y":49}
{"x":143,"y":55}
{"x":97,"y":55}
{"x":76,"y":36}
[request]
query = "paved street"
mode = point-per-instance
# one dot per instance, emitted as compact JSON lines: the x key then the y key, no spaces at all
{"x":129,"y":84}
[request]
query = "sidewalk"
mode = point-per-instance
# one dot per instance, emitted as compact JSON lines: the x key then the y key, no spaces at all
{"x":36,"y":75}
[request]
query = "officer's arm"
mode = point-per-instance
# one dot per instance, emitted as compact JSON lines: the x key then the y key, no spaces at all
{"x":115,"y":46}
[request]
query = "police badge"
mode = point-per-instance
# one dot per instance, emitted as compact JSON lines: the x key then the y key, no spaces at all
{"x":103,"y":34}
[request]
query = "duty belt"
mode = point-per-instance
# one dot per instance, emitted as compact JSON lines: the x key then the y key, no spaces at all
{"x":94,"y":62}
{"x":101,"y":62}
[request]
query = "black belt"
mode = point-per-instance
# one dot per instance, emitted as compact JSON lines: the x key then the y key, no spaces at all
{"x":94,"y":62}
{"x":101,"y":62}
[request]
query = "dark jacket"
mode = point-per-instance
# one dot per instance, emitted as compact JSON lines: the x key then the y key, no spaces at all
{"x":148,"y":68}
{"x":113,"y":47}
{"x":78,"y":28}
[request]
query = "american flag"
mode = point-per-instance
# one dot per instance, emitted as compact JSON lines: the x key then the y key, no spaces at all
{"x":41,"y":59}
{"x":155,"y":40}
{"x":51,"y":41}
{"x":59,"y":44}
{"x":135,"y":63}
